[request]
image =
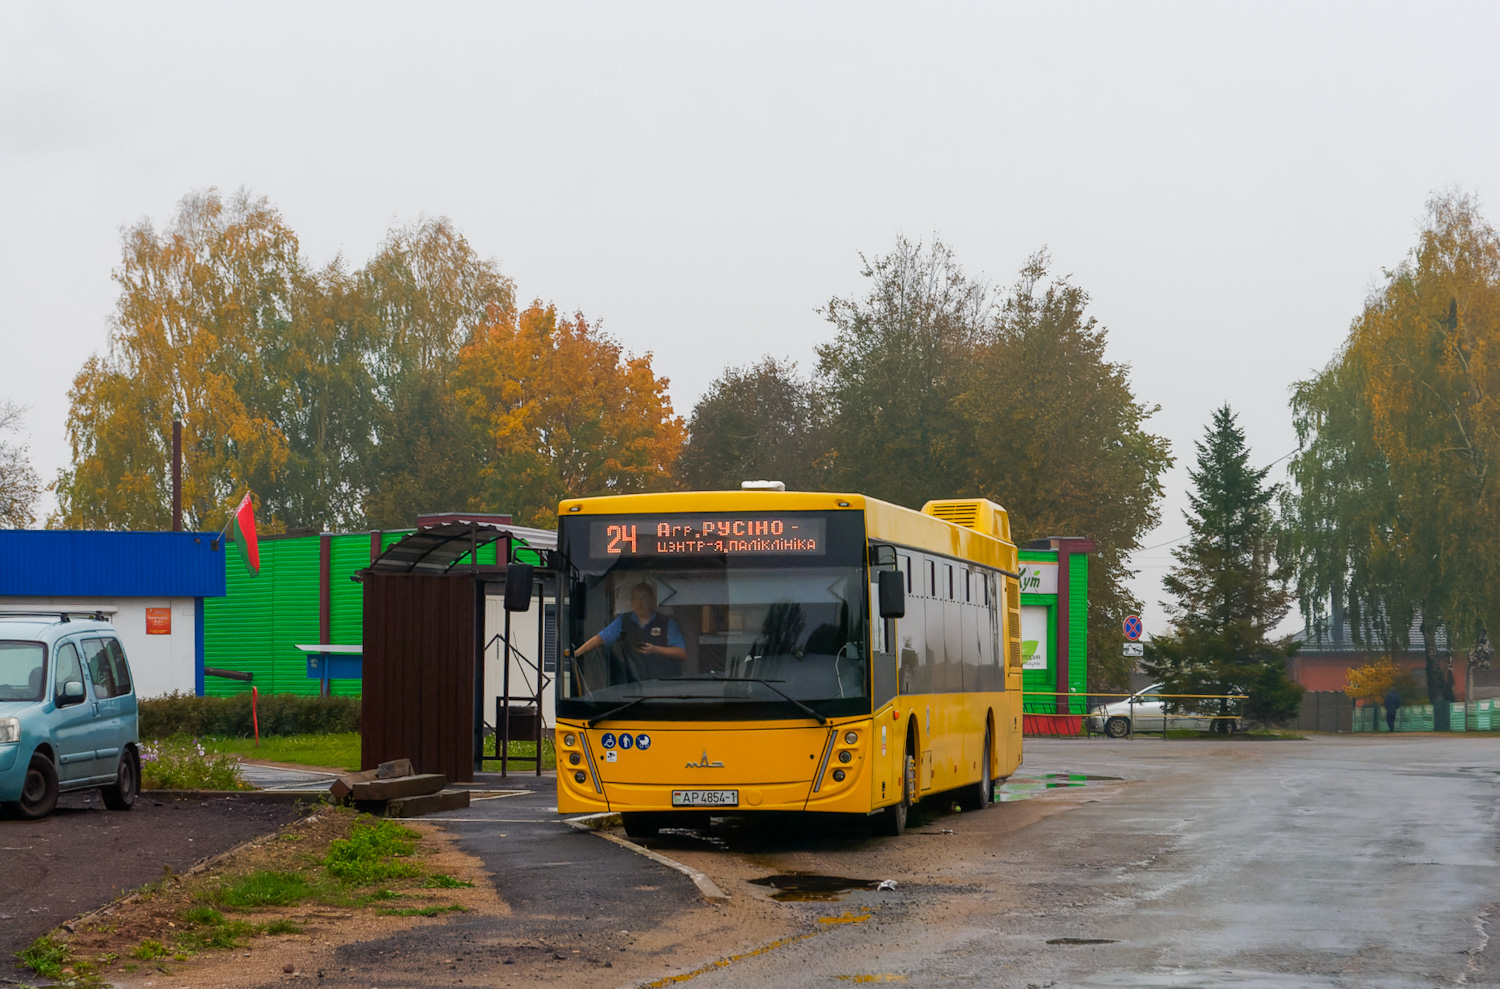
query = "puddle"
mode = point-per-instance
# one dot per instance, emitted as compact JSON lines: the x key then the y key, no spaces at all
{"x":803,"y":887}
{"x":1083,"y":940}
{"x":1023,"y":787}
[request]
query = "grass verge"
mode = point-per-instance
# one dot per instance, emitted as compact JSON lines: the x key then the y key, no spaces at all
{"x":337,"y":751}
{"x":277,"y":888}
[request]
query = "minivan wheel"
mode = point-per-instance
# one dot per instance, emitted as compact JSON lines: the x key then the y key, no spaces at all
{"x":127,"y":785}
{"x":1117,"y":727}
{"x":39,"y":791}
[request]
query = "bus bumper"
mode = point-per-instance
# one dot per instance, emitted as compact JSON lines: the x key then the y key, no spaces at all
{"x":765,"y":768}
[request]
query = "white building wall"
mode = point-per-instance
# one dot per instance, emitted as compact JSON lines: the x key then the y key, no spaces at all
{"x":160,"y":663}
{"x":523,"y":625}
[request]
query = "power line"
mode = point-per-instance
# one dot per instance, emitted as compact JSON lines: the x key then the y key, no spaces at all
{"x":1169,"y":542}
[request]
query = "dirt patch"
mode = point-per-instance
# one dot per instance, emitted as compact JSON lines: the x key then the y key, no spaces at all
{"x":169,"y":928}
{"x":83,"y":856}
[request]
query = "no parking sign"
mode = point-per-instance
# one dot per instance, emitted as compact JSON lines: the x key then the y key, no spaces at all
{"x":1133,"y":627}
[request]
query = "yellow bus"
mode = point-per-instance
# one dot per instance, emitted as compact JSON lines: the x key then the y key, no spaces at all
{"x":766,"y":650}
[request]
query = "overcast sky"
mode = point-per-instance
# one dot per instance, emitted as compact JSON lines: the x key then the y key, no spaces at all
{"x":1227,"y":181}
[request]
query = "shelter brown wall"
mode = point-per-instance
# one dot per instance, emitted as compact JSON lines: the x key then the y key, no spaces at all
{"x":420,"y":644}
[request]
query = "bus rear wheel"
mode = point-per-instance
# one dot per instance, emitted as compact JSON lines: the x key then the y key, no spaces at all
{"x":891,"y":822}
{"x":978,"y":796}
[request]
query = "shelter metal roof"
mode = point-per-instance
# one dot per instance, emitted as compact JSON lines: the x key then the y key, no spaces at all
{"x":435,"y":549}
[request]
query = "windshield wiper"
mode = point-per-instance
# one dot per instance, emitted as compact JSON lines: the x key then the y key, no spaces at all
{"x":614,"y":711}
{"x":766,"y":683}
{"x":636,"y":700}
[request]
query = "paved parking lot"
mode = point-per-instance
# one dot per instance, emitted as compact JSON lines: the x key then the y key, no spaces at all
{"x":83,"y":856}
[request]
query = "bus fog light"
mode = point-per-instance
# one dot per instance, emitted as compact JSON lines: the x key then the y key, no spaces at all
{"x":568,"y":739}
{"x":846,"y":756}
{"x":850,"y":737}
{"x":580,"y":776}
{"x":574,"y":758}
{"x":838,"y":776}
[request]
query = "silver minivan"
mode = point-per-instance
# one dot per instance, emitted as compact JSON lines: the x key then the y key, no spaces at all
{"x":67,"y":713}
{"x":1146,"y":712}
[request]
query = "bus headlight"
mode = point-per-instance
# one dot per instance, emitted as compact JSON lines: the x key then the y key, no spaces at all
{"x":850,"y":737}
{"x":838,"y":776}
{"x":580,"y":776}
{"x":846,"y":756}
{"x":574,"y":758}
{"x":569,"y":739}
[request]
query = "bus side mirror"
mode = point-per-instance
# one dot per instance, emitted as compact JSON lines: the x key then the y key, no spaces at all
{"x":892,"y":594}
{"x":518,"y":578}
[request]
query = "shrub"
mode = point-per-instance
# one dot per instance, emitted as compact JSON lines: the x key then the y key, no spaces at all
{"x":1274,"y":697}
{"x":279,"y":714}
{"x":180,"y":763}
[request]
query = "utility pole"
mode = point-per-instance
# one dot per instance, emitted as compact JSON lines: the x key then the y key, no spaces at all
{"x":176,"y":475}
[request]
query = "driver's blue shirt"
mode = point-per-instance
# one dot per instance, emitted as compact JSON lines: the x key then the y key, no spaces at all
{"x":616,"y":628}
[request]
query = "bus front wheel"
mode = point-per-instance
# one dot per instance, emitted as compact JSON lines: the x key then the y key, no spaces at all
{"x":892,"y":820}
{"x":642,"y":825}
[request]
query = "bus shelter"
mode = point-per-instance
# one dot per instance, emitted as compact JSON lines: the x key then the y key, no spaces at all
{"x":424,"y":644}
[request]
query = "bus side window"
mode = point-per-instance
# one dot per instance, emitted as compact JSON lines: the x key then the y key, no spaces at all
{"x":904,"y":563}
{"x":932,"y":584}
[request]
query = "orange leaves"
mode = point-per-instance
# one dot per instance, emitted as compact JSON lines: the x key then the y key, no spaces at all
{"x":563,"y":412}
{"x":1372,"y":680}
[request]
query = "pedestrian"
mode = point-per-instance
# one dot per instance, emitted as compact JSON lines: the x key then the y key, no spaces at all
{"x":1392,"y":704}
{"x":1446,"y":688}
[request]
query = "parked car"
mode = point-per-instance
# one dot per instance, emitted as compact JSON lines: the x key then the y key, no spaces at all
{"x":67,"y":713}
{"x":1146,"y":712}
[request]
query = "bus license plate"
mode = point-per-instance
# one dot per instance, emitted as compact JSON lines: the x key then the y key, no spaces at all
{"x":705,"y":798}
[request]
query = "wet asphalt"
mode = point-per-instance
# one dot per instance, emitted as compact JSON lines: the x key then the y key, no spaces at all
{"x":1334,"y":862}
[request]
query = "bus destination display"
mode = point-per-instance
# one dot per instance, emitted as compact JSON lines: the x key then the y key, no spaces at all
{"x":752,"y":534}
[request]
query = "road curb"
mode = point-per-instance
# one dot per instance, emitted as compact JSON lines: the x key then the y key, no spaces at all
{"x":272,"y":796}
{"x":593,"y":823}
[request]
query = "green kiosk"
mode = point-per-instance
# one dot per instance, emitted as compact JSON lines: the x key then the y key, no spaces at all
{"x":1054,"y":634}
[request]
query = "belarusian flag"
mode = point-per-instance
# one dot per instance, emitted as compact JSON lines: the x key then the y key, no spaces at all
{"x":244,"y":531}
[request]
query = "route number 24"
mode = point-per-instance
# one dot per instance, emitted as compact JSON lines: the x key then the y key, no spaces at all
{"x":620,"y":537}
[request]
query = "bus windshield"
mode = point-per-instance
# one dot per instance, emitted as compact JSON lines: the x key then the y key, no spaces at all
{"x":715,"y":616}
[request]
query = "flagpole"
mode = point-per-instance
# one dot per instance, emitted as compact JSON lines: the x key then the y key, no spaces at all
{"x":224,"y":532}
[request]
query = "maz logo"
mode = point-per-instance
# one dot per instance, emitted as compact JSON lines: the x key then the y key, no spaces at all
{"x":703,"y":763}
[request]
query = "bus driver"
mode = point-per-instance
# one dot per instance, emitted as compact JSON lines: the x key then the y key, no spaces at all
{"x":646,"y":632}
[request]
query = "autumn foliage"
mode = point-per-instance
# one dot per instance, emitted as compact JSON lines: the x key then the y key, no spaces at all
{"x":1372,"y":680}
{"x":346,"y":399}
{"x":1396,"y":513}
{"x":562,"y":412}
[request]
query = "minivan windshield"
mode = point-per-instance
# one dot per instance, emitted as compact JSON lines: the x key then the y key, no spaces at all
{"x":755,"y":615}
{"x":21,"y":671}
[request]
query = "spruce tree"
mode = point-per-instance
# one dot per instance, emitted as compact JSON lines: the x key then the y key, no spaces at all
{"x":1229,"y":584}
